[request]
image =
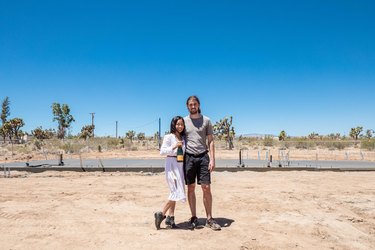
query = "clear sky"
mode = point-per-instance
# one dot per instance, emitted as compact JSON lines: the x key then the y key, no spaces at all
{"x":299,"y":66}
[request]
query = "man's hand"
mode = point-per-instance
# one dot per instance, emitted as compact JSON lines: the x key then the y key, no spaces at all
{"x":211,"y":166}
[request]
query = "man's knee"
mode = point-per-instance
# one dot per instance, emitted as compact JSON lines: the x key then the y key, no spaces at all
{"x":206,"y":188}
{"x":191,"y":187}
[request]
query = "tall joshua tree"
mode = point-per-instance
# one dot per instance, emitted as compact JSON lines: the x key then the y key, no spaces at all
{"x":355,"y":132}
{"x":62,"y":115}
{"x":5,"y":112}
{"x":282,"y":135}
{"x":224,"y":129}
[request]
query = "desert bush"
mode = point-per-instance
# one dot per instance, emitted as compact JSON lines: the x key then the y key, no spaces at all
{"x":71,"y":148}
{"x":284,"y":144}
{"x":368,"y":144}
{"x":268,"y":142}
{"x":38,"y":143}
{"x":113,"y":142}
{"x":220,"y":144}
{"x":303,"y":144}
{"x":335,"y":145}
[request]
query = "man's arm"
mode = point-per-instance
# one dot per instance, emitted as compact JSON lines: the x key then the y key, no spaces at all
{"x":211,"y":146}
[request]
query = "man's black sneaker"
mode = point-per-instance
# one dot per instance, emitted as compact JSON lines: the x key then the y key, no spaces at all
{"x":193,"y":222}
{"x":159,"y":217}
{"x":211,"y":223}
{"x":169,"y":221}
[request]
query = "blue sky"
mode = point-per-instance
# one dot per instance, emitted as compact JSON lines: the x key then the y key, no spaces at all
{"x":298,"y":66}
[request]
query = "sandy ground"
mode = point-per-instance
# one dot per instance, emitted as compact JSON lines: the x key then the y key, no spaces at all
{"x":270,"y":210}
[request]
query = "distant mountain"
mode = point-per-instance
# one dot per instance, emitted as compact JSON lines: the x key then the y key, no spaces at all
{"x":255,"y":135}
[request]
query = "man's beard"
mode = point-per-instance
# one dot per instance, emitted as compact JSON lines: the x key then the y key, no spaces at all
{"x":193,"y":111}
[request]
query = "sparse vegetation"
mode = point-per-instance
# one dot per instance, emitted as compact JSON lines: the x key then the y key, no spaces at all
{"x":268,"y":141}
{"x":47,"y":140}
{"x":368,"y":144}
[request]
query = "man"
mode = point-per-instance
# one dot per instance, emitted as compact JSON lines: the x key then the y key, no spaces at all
{"x":198,"y":164}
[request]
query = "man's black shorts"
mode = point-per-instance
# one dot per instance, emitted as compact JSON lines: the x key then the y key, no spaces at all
{"x":196,"y":167}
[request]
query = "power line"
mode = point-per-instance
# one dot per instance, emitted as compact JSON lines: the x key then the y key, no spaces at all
{"x":144,"y":125}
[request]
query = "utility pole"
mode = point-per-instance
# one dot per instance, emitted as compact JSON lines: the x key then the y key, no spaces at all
{"x":92,"y":122}
{"x":159,"y":139}
{"x":116,"y":128}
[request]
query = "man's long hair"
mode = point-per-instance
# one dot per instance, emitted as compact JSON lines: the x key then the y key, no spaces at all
{"x":194,"y":97}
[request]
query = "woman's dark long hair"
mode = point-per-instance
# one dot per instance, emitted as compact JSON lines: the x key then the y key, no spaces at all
{"x":194,"y":97}
{"x":173,"y":125}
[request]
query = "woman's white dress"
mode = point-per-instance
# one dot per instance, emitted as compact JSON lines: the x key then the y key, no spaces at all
{"x":174,"y":172}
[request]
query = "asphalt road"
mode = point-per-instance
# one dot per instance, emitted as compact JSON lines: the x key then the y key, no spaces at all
{"x":159,"y":163}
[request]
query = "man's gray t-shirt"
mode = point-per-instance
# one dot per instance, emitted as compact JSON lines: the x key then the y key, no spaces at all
{"x":196,"y":134}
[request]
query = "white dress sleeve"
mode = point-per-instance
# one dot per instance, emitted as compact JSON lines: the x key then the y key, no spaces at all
{"x":167,"y":147}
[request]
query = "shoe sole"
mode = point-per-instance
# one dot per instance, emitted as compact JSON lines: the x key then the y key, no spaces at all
{"x":195,"y":226}
{"x":215,"y":229}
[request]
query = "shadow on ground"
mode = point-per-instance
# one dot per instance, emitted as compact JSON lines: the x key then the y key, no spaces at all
{"x":223,"y":222}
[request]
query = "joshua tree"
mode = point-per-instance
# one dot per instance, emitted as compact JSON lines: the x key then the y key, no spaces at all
{"x":41,"y":134}
{"x":223,"y":128}
{"x":141,"y":136}
{"x":282,"y":135}
{"x":63,"y":117}
{"x":355,"y":132}
{"x":5,"y":112}
{"x":8,"y":130}
{"x":87,"y":132}
{"x":369,"y":133}
{"x":130,"y":135}
{"x":313,"y":136}
{"x":16,"y":124}
{"x":334,"y":136}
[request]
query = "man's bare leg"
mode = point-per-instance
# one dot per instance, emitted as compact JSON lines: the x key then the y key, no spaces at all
{"x":192,"y":199}
{"x":207,"y":200}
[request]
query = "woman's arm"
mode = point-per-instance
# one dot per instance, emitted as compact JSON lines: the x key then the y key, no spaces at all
{"x":167,"y":148}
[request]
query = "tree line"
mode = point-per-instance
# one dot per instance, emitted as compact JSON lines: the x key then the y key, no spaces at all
{"x":355,"y":133}
{"x":223,"y":129}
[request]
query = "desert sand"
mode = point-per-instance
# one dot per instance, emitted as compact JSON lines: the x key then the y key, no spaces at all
{"x":257,"y":210}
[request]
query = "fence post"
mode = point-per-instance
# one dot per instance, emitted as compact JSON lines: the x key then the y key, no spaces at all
{"x":240,"y":164}
{"x":61,"y":163}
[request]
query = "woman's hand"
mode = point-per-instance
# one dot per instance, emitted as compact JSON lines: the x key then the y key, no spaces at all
{"x":178,"y":144}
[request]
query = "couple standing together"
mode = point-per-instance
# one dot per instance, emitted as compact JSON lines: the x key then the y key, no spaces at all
{"x":194,"y":134}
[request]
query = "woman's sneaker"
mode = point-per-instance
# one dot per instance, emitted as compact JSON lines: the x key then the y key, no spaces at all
{"x":211,"y":223}
{"x":159,"y":217}
{"x":169,"y":221}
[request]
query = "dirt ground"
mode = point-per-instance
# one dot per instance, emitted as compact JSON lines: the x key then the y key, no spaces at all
{"x":269,"y":210}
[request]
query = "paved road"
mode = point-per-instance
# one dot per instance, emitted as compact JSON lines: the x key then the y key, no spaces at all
{"x":159,"y":163}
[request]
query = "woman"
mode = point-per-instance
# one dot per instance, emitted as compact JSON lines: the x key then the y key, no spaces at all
{"x":173,"y":171}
